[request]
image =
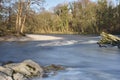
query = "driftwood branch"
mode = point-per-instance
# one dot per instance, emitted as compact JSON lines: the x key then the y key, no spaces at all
{"x":109,"y":39}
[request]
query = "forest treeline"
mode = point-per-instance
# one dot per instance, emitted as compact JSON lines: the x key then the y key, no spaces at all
{"x":78,"y":17}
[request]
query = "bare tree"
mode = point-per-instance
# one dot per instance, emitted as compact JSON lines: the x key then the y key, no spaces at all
{"x":23,"y":9}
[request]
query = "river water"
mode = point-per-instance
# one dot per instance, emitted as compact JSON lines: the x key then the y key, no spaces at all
{"x":81,"y":56}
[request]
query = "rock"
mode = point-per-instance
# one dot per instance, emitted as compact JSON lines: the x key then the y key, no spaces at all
{"x":6,"y":71}
{"x":8,"y":62}
{"x":4,"y":77}
{"x":109,"y":39}
{"x":28,"y":68}
{"x":53,"y":68}
{"x":118,"y":46}
{"x":10,"y":65}
{"x":18,"y":76}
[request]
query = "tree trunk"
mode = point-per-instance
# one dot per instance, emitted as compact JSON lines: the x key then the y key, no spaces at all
{"x":16,"y":26}
{"x":21,"y":16}
{"x":20,"y":20}
{"x":82,"y":30}
{"x":22,"y":25}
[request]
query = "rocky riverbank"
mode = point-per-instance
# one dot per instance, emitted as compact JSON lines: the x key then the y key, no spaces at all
{"x":26,"y":70}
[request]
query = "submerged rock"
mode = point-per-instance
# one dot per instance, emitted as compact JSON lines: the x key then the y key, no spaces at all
{"x":109,"y":39}
{"x":8,"y":62}
{"x":52,"y":69}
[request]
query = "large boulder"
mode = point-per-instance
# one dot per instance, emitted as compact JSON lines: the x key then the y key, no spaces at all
{"x":27,"y":67}
{"x":20,"y":71}
{"x":109,"y":39}
{"x":26,"y":70}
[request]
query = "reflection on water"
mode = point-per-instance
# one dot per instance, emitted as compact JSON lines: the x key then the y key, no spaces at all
{"x":80,"y":54}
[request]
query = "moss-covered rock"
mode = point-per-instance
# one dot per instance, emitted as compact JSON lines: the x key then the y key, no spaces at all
{"x":109,"y":39}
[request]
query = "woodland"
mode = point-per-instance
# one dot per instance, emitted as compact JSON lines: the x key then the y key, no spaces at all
{"x":78,"y":17}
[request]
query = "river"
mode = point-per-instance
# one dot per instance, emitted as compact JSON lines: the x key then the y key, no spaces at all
{"x":81,"y":56}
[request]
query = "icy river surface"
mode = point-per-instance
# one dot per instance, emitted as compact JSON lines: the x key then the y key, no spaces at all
{"x":81,"y":56}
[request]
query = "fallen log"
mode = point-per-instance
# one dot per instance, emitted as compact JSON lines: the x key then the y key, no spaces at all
{"x":108,"y":39}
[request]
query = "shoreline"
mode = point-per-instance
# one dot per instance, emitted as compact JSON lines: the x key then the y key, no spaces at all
{"x":30,"y":37}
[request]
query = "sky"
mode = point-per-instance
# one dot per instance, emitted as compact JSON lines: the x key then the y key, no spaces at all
{"x":52,"y":3}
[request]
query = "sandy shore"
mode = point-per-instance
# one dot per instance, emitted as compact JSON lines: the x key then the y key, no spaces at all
{"x":30,"y":37}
